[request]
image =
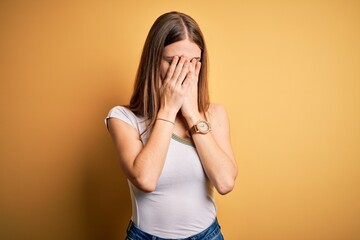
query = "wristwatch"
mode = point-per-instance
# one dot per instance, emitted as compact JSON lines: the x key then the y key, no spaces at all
{"x":201,"y":126}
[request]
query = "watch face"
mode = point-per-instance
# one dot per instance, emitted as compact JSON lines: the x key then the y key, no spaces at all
{"x":203,"y":126}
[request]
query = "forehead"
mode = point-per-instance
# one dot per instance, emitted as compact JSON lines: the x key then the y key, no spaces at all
{"x":184,"y":48}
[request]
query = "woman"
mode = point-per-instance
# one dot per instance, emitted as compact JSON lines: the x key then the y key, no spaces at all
{"x":173,"y":145}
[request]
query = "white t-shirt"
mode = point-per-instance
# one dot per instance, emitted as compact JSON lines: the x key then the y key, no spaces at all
{"x":182,"y":203}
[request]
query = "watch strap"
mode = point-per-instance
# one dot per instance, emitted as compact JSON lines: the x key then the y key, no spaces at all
{"x":193,"y":130}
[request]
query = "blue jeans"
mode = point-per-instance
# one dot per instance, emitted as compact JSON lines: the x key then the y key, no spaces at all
{"x":211,"y":233}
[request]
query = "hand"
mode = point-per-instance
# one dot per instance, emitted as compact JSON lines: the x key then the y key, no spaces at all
{"x":190,"y":109}
{"x":174,"y":87}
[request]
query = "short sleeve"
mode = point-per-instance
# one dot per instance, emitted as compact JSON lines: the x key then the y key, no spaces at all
{"x":126,"y":115}
{"x":123,"y":114}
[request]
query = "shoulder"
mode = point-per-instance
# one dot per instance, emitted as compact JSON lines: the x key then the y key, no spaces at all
{"x":218,"y":118}
{"x":124,"y":114}
{"x":217,"y":112}
{"x":118,"y":111}
{"x":121,"y":113}
{"x":121,"y":117}
{"x":217,"y":108}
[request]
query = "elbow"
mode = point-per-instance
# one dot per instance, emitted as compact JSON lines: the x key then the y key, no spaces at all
{"x":145,"y":185}
{"x":146,"y":188}
{"x":225,"y":182}
{"x":225,"y":187}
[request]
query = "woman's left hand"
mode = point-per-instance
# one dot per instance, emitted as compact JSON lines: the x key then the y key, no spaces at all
{"x":190,"y":109}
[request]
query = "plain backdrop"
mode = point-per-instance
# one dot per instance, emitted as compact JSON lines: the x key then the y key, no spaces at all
{"x":288,"y":73}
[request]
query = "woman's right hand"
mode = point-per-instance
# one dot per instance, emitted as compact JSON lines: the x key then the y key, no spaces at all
{"x":174,"y":86}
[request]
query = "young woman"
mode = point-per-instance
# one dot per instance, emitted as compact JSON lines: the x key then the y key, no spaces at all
{"x":173,"y":144}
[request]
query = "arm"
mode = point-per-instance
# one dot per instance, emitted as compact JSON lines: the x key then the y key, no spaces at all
{"x":214,"y":148}
{"x":143,"y":164}
{"x":215,"y":151}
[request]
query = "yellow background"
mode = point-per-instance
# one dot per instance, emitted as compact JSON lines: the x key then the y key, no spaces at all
{"x":288,"y":73}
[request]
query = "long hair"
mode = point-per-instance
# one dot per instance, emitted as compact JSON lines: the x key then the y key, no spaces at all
{"x":167,"y":29}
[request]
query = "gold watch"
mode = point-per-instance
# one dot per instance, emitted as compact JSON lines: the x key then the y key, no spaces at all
{"x":201,"y":126}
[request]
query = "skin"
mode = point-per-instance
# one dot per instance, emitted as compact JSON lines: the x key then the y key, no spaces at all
{"x":142,"y":164}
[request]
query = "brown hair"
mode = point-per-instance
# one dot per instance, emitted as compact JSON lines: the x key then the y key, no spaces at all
{"x":167,"y":29}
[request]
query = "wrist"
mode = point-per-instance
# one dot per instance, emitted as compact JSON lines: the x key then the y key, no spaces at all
{"x":167,"y":114}
{"x":193,"y":119}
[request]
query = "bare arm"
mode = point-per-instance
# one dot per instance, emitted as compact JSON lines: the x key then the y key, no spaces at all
{"x":143,"y":164}
{"x":214,"y":148}
{"x":215,"y":151}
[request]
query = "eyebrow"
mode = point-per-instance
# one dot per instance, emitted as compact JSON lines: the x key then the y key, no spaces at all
{"x":171,"y":57}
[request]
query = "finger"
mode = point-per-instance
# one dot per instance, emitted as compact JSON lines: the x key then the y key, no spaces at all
{"x":192,"y":66}
{"x":178,"y":68}
{"x":189,"y":76}
{"x":186,"y":84}
{"x":191,"y":73}
{"x":197,"y":69}
{"x":172,"y":67}
{"x":183,"y":73}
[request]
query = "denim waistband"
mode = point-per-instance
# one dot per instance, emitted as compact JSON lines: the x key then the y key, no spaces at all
{"x":134,"y":233}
